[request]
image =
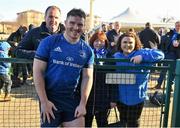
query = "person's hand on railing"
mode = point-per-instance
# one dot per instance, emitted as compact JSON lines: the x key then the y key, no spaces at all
{"x":136,"y":59}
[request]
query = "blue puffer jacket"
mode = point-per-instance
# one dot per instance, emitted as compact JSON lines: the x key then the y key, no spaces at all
{"x":4,"y":67}
{"x":29,"y":44}
{"x":133,"y":84}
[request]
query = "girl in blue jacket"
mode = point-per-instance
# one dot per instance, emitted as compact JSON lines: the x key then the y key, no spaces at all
{"x":133,"y":85}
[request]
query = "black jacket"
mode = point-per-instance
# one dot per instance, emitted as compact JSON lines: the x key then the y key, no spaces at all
{"x":29,"y":44}
{"x":167,"y":47}
{"x":148,"y":35}
{"x":112,"y":36}
{"x":14,"y":38}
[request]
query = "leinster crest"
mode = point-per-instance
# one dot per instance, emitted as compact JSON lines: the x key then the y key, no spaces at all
{"x":82,"y":54}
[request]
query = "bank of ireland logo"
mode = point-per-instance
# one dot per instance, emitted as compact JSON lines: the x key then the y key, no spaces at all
{"x":82,"y":54}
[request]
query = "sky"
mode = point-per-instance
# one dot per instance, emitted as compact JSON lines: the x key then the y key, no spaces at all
{"x":106,"y":9}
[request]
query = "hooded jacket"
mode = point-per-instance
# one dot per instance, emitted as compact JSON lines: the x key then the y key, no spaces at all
{"x":133,"y":83}
{"x":167,"y":47}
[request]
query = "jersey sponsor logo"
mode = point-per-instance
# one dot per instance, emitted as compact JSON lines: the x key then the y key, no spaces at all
{"x":69,"y":64}
{"x":57,"y":49}
{"x":82,"y":54}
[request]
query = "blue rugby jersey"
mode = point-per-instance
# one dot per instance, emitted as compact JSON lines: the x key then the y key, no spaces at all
{"x":64,"y":61}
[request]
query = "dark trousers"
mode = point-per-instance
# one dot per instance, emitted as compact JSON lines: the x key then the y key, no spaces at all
{"x":100,"y":116}
{"x":164,"y":72}
{"x":17,"y":69}
{"x":130,"y":115}
{"x":5,"y":81}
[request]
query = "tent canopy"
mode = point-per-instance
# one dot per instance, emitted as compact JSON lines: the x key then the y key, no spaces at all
{"x":131,"y":17}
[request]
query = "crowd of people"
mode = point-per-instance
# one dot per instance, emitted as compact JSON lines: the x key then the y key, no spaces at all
{"x":70,"y":91}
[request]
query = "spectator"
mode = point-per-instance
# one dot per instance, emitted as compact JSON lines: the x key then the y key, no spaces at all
{"x":170,"y":46}
{"x":176,"y":40}
{"x":104,"y":28}
{"x":14,"y":39}
{"x":110,"y":26}
{"x":51,"y":25}
{"x":102,"y":96}
{"x":149,"y":37}
{"x":131,"y":30}
{"x":56,"y":69}
{"x":5,"y":80}
{"x":31,"y":26}
{"x":113,"y":35}
{"x":133,"y":90}
{"x":29,"y":66}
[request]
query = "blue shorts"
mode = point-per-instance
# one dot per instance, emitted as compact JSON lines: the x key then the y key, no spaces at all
{"x":66,"y":105}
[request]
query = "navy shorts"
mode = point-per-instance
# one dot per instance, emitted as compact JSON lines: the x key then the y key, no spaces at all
{"x":66,"y":105}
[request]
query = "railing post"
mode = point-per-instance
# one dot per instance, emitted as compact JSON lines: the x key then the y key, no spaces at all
{"x":168,"y":92}
{"x":176,"y":103}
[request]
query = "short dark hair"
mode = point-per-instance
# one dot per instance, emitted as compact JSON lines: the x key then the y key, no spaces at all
{"x":53,"y":6}
{"x":148,"y":24}
{"x":103,"y":25}
{"x":76,"y":12}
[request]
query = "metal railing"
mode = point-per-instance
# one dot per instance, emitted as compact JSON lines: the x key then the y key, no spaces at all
{"x":23,"y":111}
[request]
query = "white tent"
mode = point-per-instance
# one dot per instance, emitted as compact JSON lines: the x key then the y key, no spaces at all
{"x":132,"y":17}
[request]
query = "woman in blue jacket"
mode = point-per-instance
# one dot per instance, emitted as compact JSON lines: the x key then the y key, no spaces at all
{"x":133,"y":85}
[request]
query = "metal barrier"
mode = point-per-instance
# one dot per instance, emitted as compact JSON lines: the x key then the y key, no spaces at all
{"x":23,"y":111}
{"x":176,"y":104}
{"x":15,"y":60}
{"x":152,"y":116}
